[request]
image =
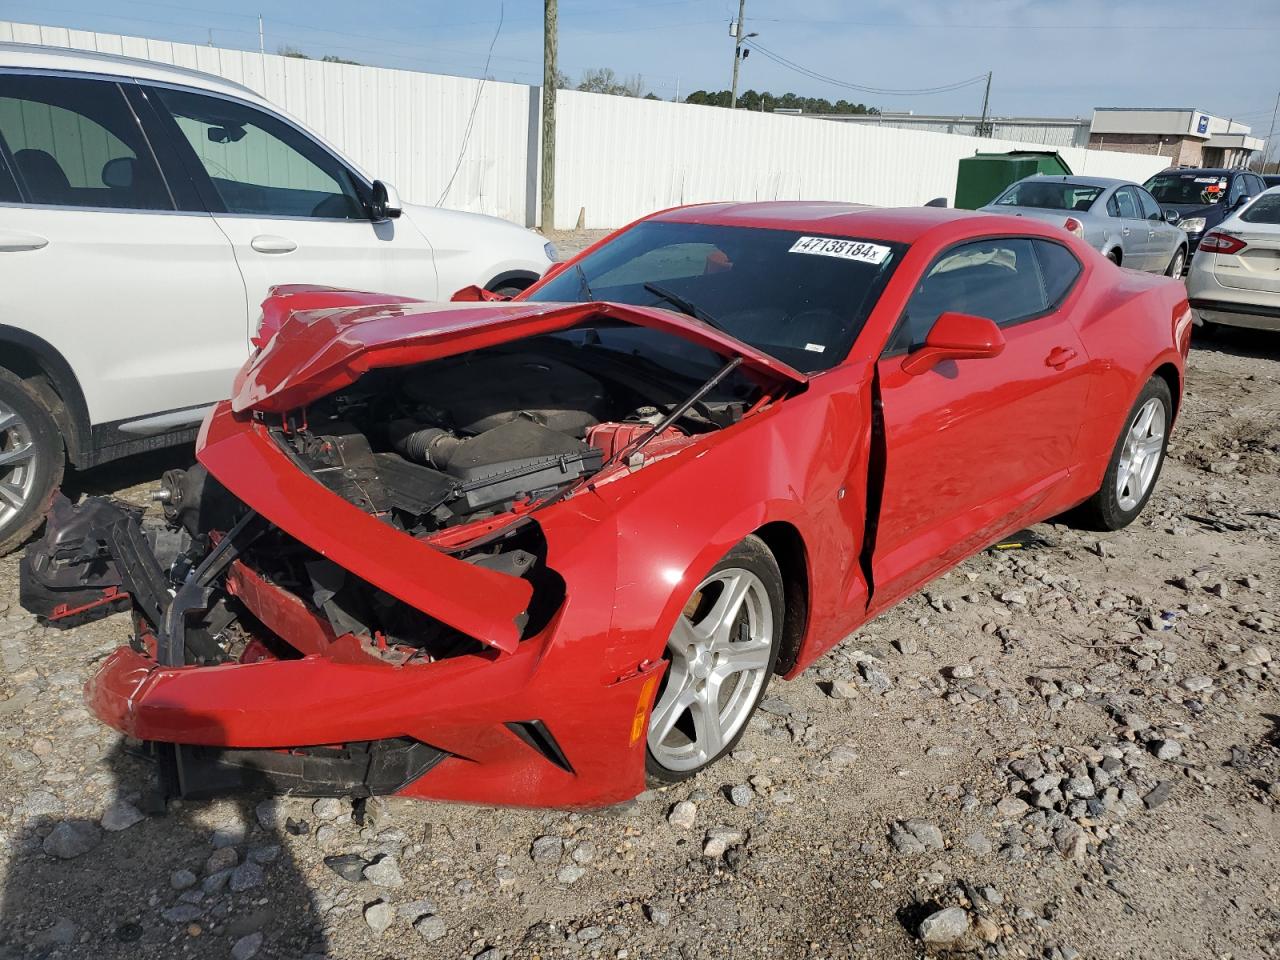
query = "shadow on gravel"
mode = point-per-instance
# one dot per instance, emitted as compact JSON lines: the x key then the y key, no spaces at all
{"x":1238,"y":342}
{"x":117,"y":475}
{"x":200,"y":880}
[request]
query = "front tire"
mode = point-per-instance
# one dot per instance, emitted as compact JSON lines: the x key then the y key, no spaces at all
{"x":722,"y":652}
{"x":31,"y":461}
{"x":1135,"y":463}
{"x":1177,"y":263}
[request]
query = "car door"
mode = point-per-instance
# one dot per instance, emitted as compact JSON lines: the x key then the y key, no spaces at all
{"x":1163,"y":240}
{"x":117,"y":267}
{"x":1133,"y":230}
{"x":293,"y":211}
{"x":975,"y":448}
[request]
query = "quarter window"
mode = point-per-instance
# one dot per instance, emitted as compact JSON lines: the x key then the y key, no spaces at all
{"x":1126,"y":205}
{"x":74,"y":142}
{"x":258,"y":164}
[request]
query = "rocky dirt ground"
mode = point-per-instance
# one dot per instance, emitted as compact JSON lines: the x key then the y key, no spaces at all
{"x":1066,"y":751}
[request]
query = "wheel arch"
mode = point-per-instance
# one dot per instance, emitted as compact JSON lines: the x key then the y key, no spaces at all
{"x":32,"y":357}
{"x":788,"y":548}
{"x":521,"y":278}
{"x":1115,"y":254}
{"x":1170,"y":375}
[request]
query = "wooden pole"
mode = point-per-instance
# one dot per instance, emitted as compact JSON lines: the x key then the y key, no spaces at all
{"x":737,"y":54}
{"x":549,"y":74}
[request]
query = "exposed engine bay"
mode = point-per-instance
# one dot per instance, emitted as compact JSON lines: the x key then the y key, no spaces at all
{"x":459,"y":452}
{"x":471,"y":436}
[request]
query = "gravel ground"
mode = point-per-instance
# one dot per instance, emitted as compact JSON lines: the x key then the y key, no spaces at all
{"x":1065,"y":751}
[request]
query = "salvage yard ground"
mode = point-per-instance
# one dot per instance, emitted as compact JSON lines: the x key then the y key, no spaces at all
{"x":1076,"y":744}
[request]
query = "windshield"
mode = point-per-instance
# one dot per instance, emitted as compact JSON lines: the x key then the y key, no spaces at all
{"x":1050,"y":195}
{"x":1266,"y":209}
{"x":799,"y":297}
{"x":1188,"y":188}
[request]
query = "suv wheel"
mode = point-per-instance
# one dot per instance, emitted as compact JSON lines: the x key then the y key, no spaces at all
{"x":31,"y":461}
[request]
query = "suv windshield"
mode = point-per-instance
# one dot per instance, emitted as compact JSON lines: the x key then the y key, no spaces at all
{"x":1050,"y":195}
{"x":1190,"y":187}
{"x":1266,"y":209}
{"x":801,"y":298}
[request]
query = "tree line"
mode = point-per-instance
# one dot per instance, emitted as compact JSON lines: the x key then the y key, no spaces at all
{"x":754,"y":100}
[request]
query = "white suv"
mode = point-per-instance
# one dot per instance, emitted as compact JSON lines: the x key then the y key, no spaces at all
{"x":145,"y":212}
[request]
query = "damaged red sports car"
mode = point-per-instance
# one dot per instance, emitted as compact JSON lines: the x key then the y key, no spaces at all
{"x":532,"y":552}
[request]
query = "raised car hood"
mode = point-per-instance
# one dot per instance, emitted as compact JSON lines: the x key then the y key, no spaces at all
{"x":318,"y":340}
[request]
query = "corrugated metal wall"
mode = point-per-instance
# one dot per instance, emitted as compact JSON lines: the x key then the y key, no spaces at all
{"x":617,"y":158}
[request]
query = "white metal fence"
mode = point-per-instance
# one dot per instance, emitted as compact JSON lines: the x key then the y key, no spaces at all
{"x":617,"y":158}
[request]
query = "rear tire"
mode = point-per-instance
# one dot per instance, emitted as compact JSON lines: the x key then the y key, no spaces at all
{"x":721,"y":653}
{"x":31,"y":461}
{"x":1114,"y":256}
{"x":1136,"y":462}
{"x":1177,"y":263}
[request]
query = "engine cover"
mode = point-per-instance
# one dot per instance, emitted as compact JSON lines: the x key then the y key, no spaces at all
{"x":478,"y":393}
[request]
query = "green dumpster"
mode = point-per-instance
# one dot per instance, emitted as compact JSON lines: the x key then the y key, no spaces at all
{"x":982,"y":177}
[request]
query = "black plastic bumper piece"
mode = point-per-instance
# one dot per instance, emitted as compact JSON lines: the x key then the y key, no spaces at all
{"x":372,"y":768}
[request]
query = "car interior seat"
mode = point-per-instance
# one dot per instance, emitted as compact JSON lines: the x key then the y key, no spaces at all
{"x":45,"y":179}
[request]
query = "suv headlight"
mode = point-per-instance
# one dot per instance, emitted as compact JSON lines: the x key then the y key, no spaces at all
{"x":1192,"y":224}
{"x":553,"y":254}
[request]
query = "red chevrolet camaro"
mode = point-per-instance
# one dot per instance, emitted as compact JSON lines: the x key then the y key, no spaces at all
{"x":534,"y":552}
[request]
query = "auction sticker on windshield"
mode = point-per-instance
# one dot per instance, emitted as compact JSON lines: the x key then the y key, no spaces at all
{"x":843,"y":249}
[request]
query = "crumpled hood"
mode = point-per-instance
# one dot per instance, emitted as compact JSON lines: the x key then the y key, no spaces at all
{"x":316,"y":340}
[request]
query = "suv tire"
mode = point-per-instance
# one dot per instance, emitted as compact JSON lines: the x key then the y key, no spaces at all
{"x":31,"y":460}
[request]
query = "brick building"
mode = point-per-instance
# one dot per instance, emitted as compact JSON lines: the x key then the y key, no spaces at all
{"x":1188,"y":137}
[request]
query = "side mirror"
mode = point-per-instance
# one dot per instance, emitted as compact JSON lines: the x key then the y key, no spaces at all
{"x":955,"y":336}
{"x":385,"y":202}
{"x":1172,"y":216}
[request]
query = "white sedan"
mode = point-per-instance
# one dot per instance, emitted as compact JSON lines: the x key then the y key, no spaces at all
{"x":1235,"y":274}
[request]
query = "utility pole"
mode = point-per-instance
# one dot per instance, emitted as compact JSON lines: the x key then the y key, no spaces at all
{"x":739,"y":35}
{"x":549,"y":72}
{"x":983,"y":130}
{"x":262,"y":47}
{"x":1270,"y":133}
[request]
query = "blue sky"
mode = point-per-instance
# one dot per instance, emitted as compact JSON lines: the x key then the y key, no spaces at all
{"x":1050,"y":57}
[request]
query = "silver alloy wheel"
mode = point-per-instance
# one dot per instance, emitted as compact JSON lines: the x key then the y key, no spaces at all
{"x":1179,"y":259}
{"x":720,"y":650}
{"x":1140,"y":455}
{"x":17,"y":463}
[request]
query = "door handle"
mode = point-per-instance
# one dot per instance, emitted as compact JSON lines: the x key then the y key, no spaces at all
{"x":269,"y":243}
{"x":1124,"y":231}
{"x":1059,"y":357}
{"x":14,"y":241}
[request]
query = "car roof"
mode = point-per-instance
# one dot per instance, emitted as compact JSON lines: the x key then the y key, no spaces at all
{"x":1192,"y":171}
{"x":894,"y":224}
{"x":31,"y":56}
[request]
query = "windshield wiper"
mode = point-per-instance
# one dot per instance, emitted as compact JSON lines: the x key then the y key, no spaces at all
{"x":685,"y":306}
{"x":583,"y":286}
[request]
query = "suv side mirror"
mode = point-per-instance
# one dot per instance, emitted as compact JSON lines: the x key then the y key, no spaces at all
{"x":385,"y":202}
{"x":1172,"y":216}
{"x":955,"y":336}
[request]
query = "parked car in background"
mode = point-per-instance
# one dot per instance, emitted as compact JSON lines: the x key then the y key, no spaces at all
{"x":145,"y":213}
{"x":1117,"y":218}
{"x":1271,"y":180}
{"x":1202,"y":198}
{"x":575,"y":536}
{"x":1235,"y":275}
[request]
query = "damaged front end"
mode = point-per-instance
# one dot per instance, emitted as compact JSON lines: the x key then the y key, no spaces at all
{"x":352,"y":594}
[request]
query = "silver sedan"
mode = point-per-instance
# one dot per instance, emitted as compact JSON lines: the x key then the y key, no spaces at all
{"x":1117,"y":217}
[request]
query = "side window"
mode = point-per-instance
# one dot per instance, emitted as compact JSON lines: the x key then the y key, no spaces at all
{"x":258,"y":164}
{"x":997,"y":278}
{"x":1256,"y":185}
{"x":76,"y":143}
{"x":1236,"y":190}
{"x":1059,"y":270}
{"x":1150,"y":209}
{"x":1127,"y":204}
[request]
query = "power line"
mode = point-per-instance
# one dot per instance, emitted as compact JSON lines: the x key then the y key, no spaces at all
{"x":475,"y":106}
{"x":1055,"y":27}
{"x":863,"y":88}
